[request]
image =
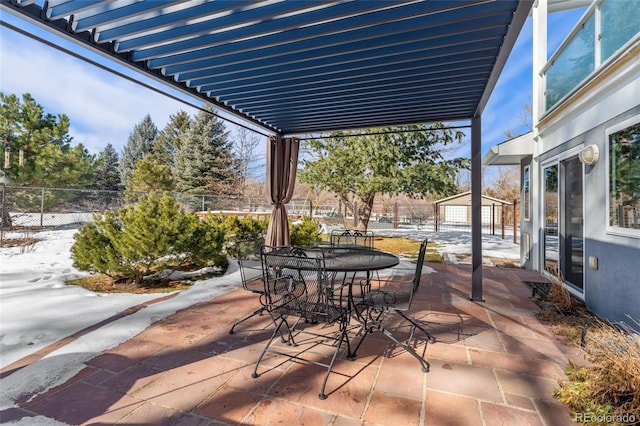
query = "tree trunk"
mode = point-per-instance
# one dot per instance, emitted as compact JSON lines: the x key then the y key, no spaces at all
{"x":364,"y":212}
{"x":6,"y":219}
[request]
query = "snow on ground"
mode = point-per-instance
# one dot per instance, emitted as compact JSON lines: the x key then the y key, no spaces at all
{"x":38,"y":309}
{"x":458,"y":242}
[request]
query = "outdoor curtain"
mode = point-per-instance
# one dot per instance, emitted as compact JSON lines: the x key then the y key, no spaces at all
{"x":282,"y":162}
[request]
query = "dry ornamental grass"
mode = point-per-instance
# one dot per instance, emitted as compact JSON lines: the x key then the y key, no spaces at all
{"x":609,"y":389}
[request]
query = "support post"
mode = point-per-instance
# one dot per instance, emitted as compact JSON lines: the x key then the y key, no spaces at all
{"x":515,"y":221}
{"x":476,"y":209}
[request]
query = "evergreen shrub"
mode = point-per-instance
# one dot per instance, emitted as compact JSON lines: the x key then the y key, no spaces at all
{"x":145,"y":238}
{"x":304,"y":233}
{"x":234,"y":228}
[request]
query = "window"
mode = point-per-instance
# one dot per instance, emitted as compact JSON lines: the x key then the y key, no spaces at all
{"x":550,"y":208}
{"x":526,"y":193}
{"x":624,"y":177}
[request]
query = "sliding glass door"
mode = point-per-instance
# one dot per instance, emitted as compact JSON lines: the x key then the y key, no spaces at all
{"x":563,"y":243}
{"x":572,"y":235}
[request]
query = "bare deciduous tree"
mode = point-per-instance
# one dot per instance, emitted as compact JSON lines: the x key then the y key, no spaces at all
{"x":245,"y":148}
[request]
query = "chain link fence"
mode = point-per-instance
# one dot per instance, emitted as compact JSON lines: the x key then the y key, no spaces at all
{"x":28,"y":208}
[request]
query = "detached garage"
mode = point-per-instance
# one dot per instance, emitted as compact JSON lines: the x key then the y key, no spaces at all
{"x":456,"y":211}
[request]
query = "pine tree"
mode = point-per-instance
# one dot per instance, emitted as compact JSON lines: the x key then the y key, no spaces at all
{"x":204,"y":161}
{"x":170,"y":138}
{"x":151,"y":174}
{"x":40,"y":150}
{"x":139,"y":144}
{"x":145,"y":237}
{"x":107,"y":174}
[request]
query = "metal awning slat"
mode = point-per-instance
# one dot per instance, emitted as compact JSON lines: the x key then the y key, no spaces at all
{"x":379,"y":100}
{"x":418,"y":106}
{"x":60,"y":9}
{"x":333,"y":33}
{"x":445,"y":88}
{"x":291,"y":66}
{"x":129,"y":11}
{"x":337,"y":81}
{"x":162,"y":20}
{"x":347,"y":57}
{"x":418,"y":39}
{"x":471,"y":51}
{"x":266,"y":30}
{"x":420,"y":81}
{"x":190,"y":33}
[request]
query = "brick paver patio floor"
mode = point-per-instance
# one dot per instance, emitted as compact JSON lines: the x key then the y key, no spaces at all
{"x":494,"y":363}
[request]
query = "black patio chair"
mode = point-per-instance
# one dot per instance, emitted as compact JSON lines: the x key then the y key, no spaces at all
{"x":351,"y":238}
{"x":247,"y":250}
{"x":298,"y":288}
{"x":392,"y":296}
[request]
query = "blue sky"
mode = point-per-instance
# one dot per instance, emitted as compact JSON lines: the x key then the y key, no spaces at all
{"x":104,"y":108}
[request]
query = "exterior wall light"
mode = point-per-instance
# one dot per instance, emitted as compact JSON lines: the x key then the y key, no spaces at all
{"x":589,"y":155}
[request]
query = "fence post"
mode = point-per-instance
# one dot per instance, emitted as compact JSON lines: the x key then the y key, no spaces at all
{"x":515,"y":221}
{"x":435,"y":217}
{"x":502,"y":219}
{"x":493,"y":219}
{"x":310,"y":209}
{"x":42,"y":208}
{"x":203,"y":202}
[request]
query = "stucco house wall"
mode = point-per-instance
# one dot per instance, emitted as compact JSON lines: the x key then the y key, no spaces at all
{"x":611,"y":270}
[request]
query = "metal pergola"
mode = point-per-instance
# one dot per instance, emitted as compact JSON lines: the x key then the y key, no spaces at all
{"x":308,"y":67}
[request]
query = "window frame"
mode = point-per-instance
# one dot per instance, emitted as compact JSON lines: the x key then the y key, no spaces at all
{"x":611,"y":229}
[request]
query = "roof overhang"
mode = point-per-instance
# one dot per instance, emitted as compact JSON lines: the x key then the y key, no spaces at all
{"x":301,"y":67}
{"x":511,"y":152}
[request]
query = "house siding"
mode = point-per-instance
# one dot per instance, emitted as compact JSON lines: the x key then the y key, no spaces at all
{"x":612,"y":290}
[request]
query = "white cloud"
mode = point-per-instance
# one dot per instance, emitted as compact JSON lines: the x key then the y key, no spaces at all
{"x":102,"y":107}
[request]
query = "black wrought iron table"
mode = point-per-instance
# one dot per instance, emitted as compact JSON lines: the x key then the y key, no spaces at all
{"x":350,"y":259}
{"x":307,"y":283}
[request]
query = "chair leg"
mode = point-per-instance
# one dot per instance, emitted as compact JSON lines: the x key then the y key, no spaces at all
{"x":423,"y":362}
{"x":256,"y":312}
{"x":369,"y":324}
{"x":343,"y":338}
{"x":264,"y":351}
{"x":259,"y":312}
{"x":430,"y":338}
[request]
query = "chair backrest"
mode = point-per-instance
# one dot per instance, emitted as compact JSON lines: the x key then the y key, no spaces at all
{"x":420,"y":261}
{"x":247,"y":250}
{"x":351,"y":238}
{"x":296,"y":283}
